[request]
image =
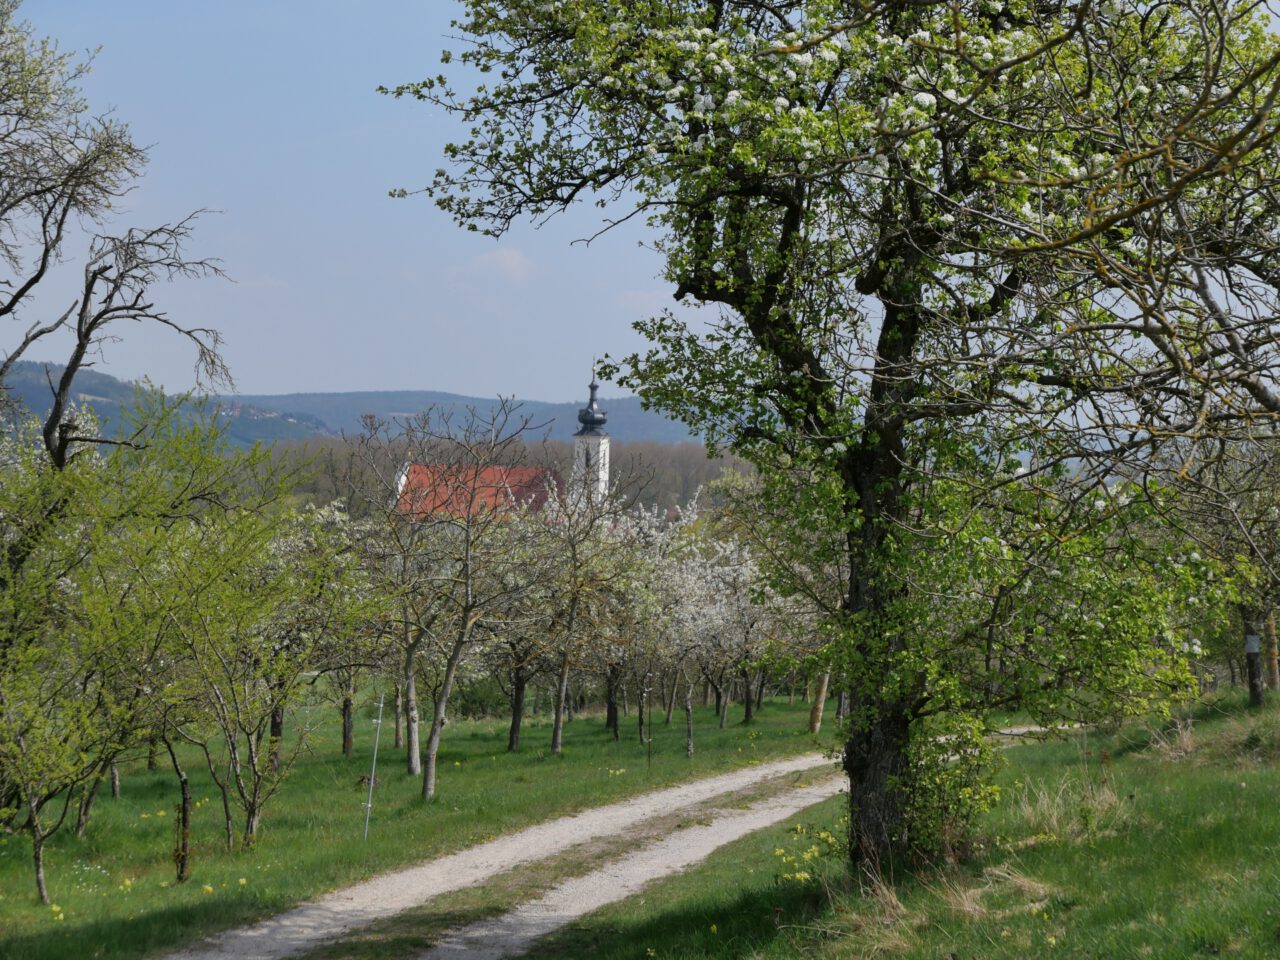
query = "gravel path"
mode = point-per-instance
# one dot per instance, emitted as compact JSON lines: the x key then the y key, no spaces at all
{"x":321,"y":921}
{"x":513,"y":933}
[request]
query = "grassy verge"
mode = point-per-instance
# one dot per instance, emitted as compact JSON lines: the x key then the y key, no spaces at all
{"x":1158,"y":842}
{"x":114,"y":887}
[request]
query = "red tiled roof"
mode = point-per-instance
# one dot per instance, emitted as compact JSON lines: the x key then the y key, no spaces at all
{"x":430,"y":489}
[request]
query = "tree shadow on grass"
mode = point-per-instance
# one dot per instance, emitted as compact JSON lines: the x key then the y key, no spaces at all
{"x":118,"y":938}
{"x":777,"y":915}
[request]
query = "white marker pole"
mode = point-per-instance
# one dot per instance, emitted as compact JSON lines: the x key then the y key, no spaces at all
{"x":373,"y":773}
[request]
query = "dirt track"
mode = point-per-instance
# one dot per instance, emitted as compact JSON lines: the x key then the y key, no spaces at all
{"x":327,"y":919}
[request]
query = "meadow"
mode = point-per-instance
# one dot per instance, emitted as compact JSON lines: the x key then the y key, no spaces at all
{"x":113,"y":890}
{"x":1160,"y":840}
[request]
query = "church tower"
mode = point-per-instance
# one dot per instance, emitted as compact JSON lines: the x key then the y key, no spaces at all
{"x":591,"y":449}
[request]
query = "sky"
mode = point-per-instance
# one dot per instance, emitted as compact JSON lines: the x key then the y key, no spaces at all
{"x":265,"y":111}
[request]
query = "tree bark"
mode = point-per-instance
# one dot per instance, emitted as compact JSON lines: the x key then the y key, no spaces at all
{"x":819,"y":702}
{"x":518,"y":684}
{"x":37,"y":856}
{"x":182,"y":840}
{"x":348,"y":725}
{"x":688,"y":721}
{"x":1273,"y":653}
{"x":1253,"y":657}
{"x":760,"y":690}
{"x":438,"y":715}
{"x":87,"y":796}
{"x":252,"y":821}
{"x":748,"y":698}
{"x":277,"y":736}
{"x":611,"y":717}
{"x":876,"y":760}
{"x":562,"y":694}
{"x":399,"y":717}
{"x":413,"y":755}
{"x":115,"y":781}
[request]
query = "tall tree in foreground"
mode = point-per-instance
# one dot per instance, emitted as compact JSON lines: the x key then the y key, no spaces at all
{"x":951,"y":249}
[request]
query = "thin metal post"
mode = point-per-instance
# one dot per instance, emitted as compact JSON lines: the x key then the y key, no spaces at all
{"x":373,"y":773}
{"x":648,"y":709}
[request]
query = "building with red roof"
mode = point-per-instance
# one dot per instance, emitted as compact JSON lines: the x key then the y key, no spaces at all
{"x":426,"y":490}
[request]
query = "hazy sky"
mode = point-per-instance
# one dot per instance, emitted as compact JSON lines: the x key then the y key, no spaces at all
{"x":265,"y":110}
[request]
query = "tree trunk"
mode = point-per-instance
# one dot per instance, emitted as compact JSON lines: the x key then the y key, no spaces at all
{"x":37,"y":856}
{"x":87,"y":796}
{"x":152,"y":747}
{"x":438,"y":715}
{"x":182,"y":839}
{"x":724,"y":699}
{"x":671,"y":701}
{"x":562,"y":694}
{"x":412,"y":753}
{"x":1273,"y":653}
{"x":252,"y":820}
{"x":224,"y":789}
{"x":1235,"y":675}
{"x":518,"y":684}
{"x":748,"y":698}
{"x":399,"y":717}
{"x":688,"y":721}
{"x":760,"y":691}
{"x":611,"y":718}
{"x":1253,"y":657}
{"x":277,"y":736}
{"x":640,"y":713}
{"x":349,"y":720}
{"x":876,"y":760}
{"x":819,"y":702}
{"x":115,"y":781}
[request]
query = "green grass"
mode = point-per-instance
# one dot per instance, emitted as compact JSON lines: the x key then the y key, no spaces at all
{"x":1156,"y":842}
{"x":115,"y":889}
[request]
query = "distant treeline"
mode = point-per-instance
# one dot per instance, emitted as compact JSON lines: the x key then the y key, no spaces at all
{"x":661,"y":474}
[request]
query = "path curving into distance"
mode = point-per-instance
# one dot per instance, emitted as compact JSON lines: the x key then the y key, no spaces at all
{"x":513,"y":933}
{"x":317,"y":922}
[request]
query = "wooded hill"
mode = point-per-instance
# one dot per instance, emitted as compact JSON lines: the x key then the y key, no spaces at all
{"x":303,"y":416}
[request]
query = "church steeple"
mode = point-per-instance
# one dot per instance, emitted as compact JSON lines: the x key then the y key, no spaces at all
{"x":591,"y":448}
{"x":591,"y":416}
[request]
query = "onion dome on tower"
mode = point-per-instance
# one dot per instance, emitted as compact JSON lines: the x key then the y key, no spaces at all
{"x":591,"y":416}
{"x":590,"y":476}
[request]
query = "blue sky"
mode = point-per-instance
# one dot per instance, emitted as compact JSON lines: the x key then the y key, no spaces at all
{"x":265,"y":110}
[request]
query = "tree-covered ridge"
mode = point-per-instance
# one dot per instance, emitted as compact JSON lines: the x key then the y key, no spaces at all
{"x":300,"y":416}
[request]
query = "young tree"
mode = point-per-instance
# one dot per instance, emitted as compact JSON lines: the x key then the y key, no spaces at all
{"x":443,"y":543}
{"x":941,"y":240}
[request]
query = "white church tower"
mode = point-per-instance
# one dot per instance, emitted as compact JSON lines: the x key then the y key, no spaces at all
{"x":591,"y":449}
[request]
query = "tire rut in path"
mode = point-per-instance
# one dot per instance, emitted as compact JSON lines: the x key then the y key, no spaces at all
{"x":513,"y":933}
{"x":311,"y":924}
